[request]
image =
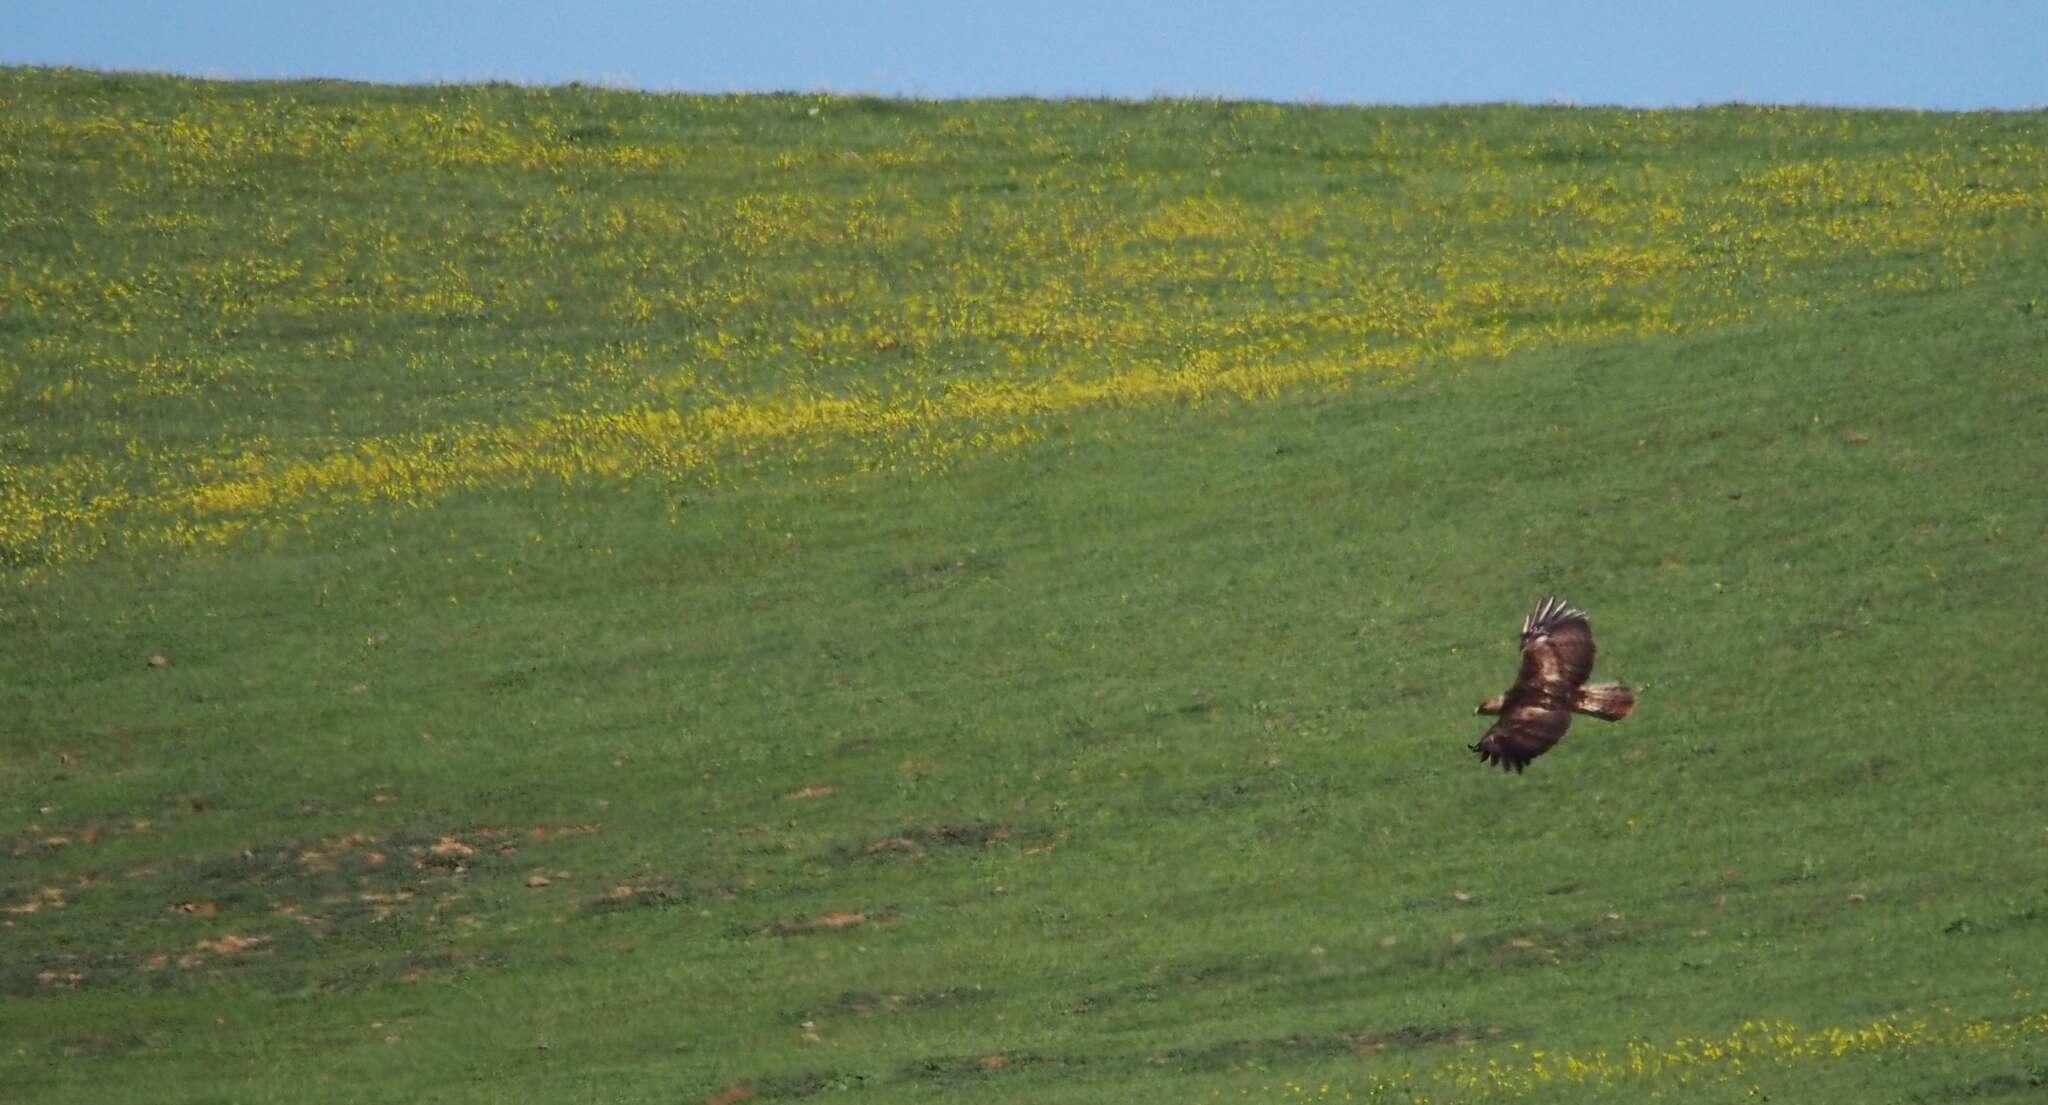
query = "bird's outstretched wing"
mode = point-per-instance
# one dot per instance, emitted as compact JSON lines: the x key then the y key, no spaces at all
{"x":1557,"y":646}
{"x":1523,"y":733}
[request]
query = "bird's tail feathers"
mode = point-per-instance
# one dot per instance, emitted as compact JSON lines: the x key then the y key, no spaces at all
{"x":1609,"y":701}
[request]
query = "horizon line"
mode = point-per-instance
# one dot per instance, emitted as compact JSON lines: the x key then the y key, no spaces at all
{"x":622,"y":85}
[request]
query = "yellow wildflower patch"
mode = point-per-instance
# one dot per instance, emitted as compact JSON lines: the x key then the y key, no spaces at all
{"x":296,"y":304}
{"x":1644,"y":1069}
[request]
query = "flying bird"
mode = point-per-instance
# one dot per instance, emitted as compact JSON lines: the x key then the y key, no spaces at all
{"x":1557,"y":659}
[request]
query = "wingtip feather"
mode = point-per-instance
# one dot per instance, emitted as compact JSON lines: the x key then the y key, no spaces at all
{"x":1551,"y":611}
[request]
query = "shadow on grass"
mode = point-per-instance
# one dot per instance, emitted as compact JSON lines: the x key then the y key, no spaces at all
{"x":963,"y":1072}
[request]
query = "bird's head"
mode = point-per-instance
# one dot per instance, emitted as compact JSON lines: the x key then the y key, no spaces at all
{"x":1492,"y":705}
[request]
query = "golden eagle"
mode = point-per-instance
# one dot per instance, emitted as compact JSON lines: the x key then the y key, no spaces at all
{"x":1557,"y":658}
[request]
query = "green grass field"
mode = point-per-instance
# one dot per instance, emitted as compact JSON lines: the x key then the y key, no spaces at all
{"x":675,"y":598}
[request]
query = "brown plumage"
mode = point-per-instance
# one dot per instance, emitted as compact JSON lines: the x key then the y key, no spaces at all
{"x":1557,"y":659}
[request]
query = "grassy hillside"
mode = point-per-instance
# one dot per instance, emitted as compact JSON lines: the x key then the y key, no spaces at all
{"x":677,"y":598}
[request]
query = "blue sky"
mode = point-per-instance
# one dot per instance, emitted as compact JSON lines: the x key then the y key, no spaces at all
{"x":1955,"y":55}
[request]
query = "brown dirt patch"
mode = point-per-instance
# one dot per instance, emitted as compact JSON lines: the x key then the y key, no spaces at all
{"x":449,"y":846}
{"x":836,"y":921}
{"x":549,"y":832}
{"x":918,"y":842}
{"x":228,"y":946}
{"x":49,"y":897}
{"x":37,"y":838}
